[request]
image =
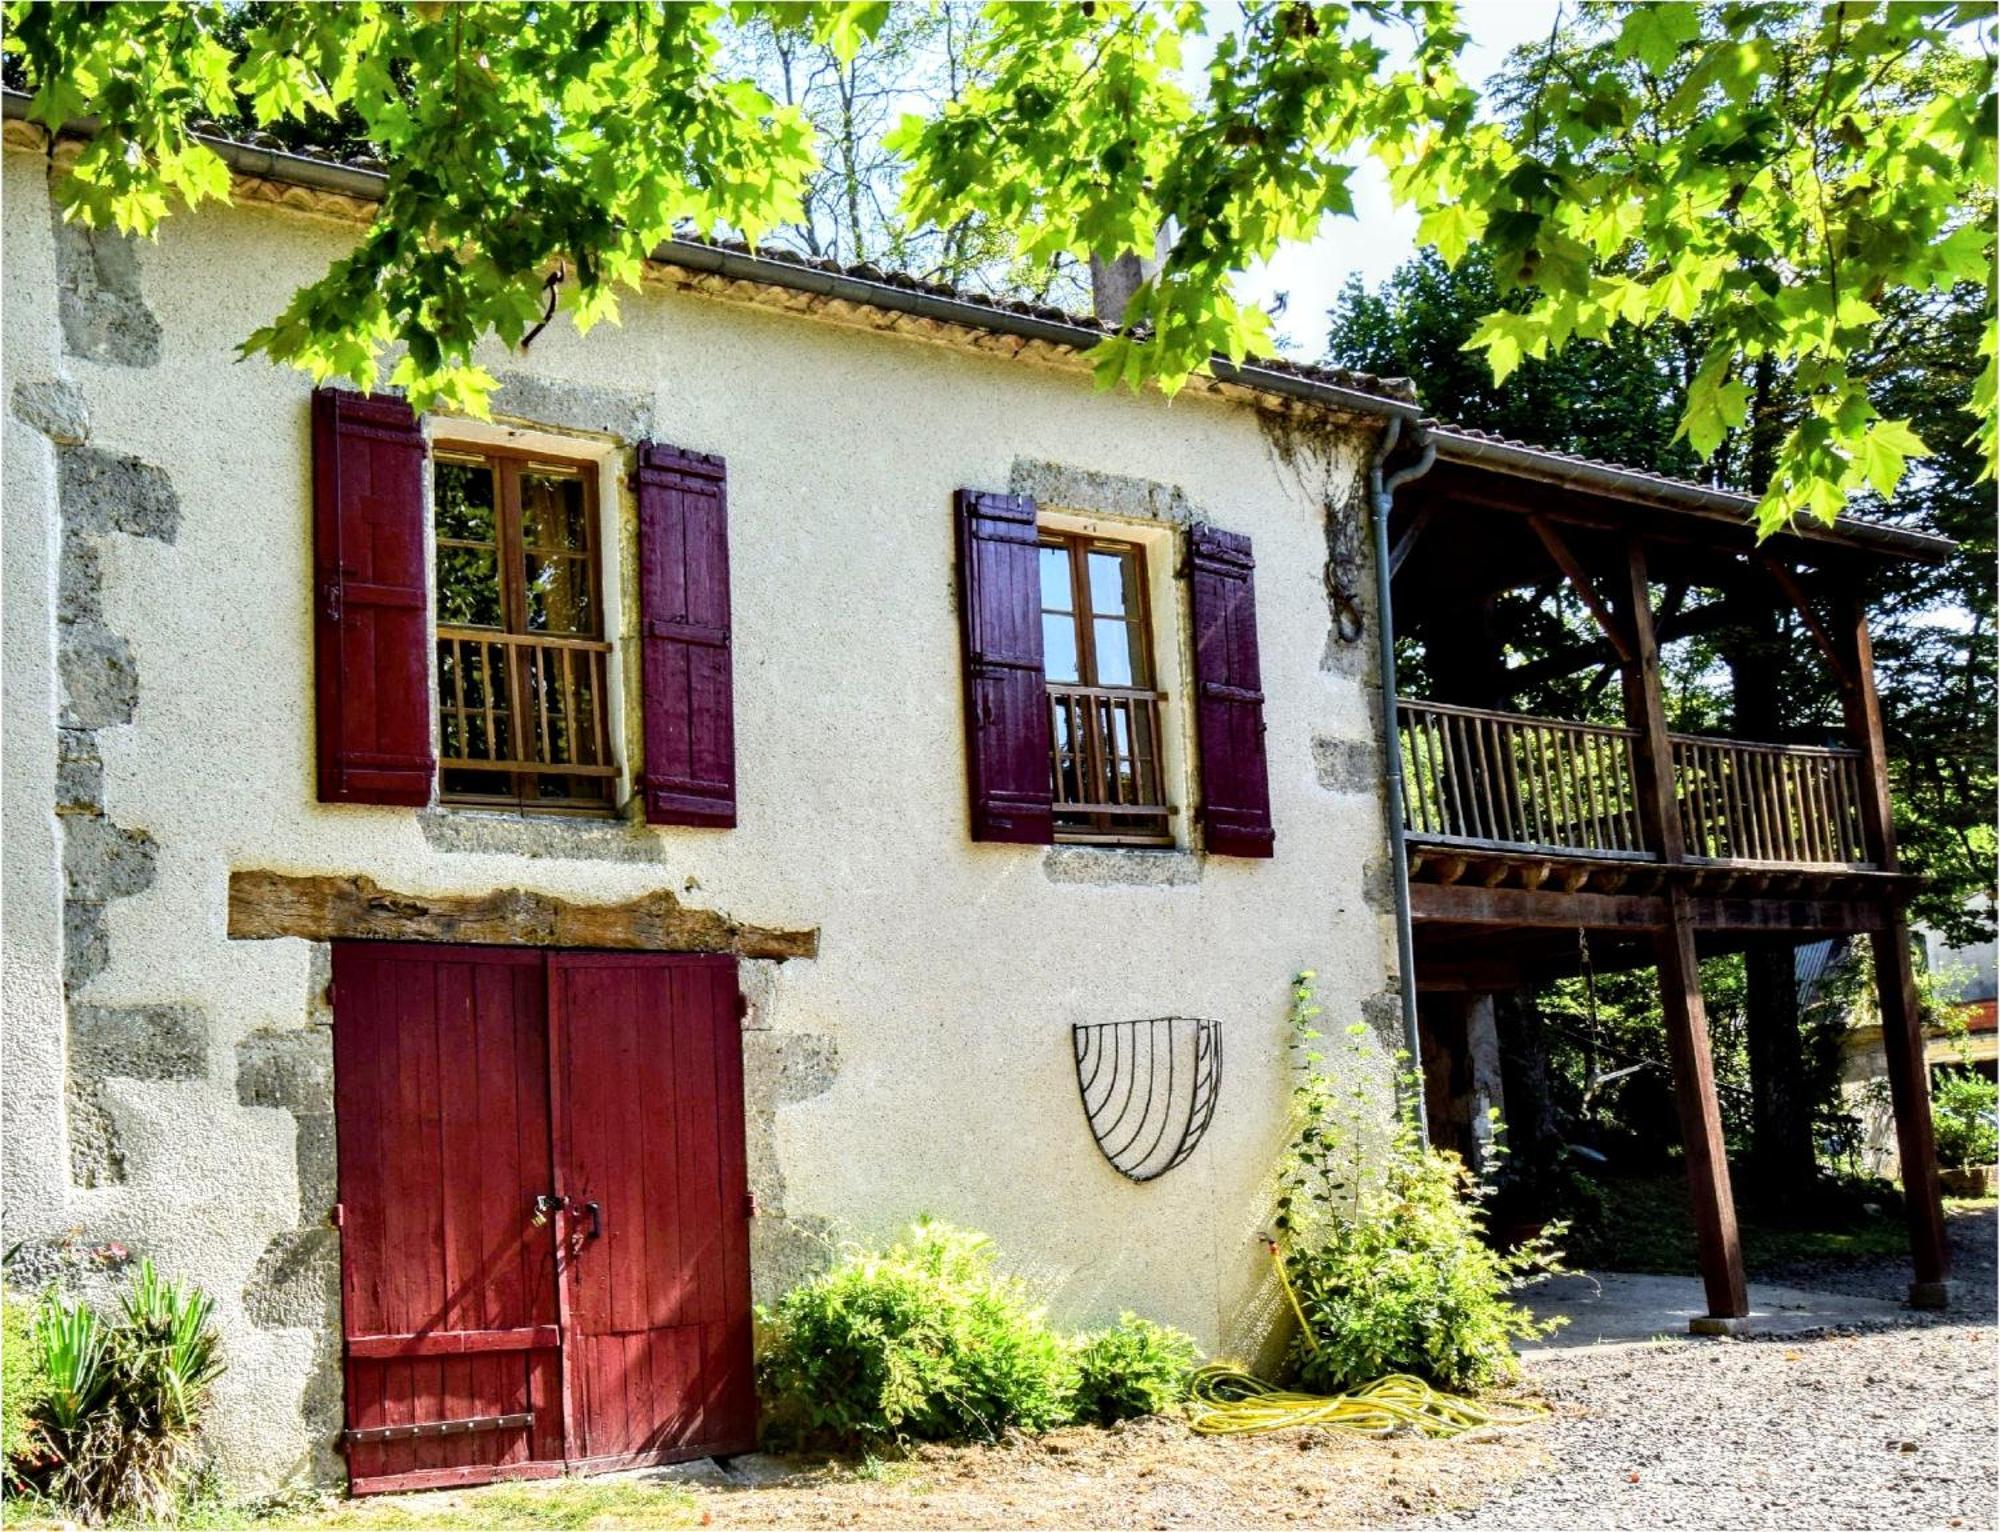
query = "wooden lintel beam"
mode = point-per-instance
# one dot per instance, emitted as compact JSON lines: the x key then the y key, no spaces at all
{"x":1585,"y":588}
{"x":1795,"y":593}
{"x":350,"y":907}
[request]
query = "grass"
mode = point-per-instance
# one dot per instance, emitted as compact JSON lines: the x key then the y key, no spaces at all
{"x":556,"y":1504}
{"x":1643,"y":1223}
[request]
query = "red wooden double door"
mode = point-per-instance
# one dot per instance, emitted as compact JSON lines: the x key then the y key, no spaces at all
{"x":544,"y":1211}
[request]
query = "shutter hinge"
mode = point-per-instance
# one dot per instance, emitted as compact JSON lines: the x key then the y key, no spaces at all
{"x":336,"y":1216}
{"x":750,"y":1208}
{"x":330,"y":598}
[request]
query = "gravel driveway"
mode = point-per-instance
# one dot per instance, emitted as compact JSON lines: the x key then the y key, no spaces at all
{"x":1892,"y":1427}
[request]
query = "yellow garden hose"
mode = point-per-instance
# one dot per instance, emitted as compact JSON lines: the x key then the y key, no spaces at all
{"x":1226,"y":1400}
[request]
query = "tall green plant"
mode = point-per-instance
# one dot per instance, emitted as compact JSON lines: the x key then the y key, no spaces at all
{"x":123,"y":1400}
{"x":1383,"y":1237}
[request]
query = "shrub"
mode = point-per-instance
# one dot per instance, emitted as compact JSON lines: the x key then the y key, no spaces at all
{"x":1962,"y":1116}
{"x":1382,"y":1236}
{"x":21,"y":1383}
{"x":924,"y":1340}
{"x":1134,"y":1368}
{"x":122,"y":1400}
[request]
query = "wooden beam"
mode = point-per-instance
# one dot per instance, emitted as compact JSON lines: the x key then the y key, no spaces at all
{"x":1471,"y":904}
{"x":1586,"y":590}
{"x":1646,"y":712}
{"x":1406,"y":544}
{"x":1784,"y":579}
{"x":1719,"y":1247}
{"x":1554,"y":906}
{"x":1567,"y":662}
{"x":351,"y":907}
{"x":1895,"y":979}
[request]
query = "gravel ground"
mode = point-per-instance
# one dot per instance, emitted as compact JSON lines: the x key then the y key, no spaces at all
{"x":1886,"y":1428}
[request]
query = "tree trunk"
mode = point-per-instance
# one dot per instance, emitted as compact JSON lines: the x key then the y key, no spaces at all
{"x":1533,"y":1140}
{"x":1780,"y":1097}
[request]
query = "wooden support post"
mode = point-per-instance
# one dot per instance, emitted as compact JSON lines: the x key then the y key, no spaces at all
{"x":1720,"y":1248}
{"x":1716,"y":1238}
{"x":1895,"y":980}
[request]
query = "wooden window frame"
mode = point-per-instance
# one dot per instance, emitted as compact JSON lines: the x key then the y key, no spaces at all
{"x":1142,"y":822}
{"x":585,"y":659}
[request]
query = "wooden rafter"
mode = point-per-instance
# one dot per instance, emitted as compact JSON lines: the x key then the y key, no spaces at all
{"x":1586,"y":589}
{"x":1407,"y":543}
{"x":1788,"y":582}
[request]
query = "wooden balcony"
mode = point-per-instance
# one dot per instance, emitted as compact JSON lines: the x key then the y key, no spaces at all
{"x":1507,"y":782}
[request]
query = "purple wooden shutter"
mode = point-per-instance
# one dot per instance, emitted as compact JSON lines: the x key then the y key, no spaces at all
{"x":690,"y":704}
{"x":1006,"y":694}
{"x":1229,"y":705}
{"x":371,"y":618}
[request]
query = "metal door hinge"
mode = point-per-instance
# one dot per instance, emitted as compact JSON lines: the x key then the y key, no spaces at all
{"x":336,"y":1216}
{"x":750,"y":1208}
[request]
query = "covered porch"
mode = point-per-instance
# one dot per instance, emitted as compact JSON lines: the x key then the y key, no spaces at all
{"x":1528,"y":832}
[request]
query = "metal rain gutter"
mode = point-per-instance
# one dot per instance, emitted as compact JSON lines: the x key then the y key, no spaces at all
{"x":1382,"y":495}
{"x":1636,"y":485}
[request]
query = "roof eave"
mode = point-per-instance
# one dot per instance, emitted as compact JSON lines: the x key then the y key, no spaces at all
{"x":1635,"y":486}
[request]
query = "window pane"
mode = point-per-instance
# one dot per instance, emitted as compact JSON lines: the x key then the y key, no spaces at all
{"x":552,"y":512}
{"x":1113,"y":578}
{"x":559,"y":596}
{"x":1055,"y":579}
{"x":1114,"y":652}
{"x":1059,"y":647}
{"x":468,"y":577}
{"x":464,"y":496}
{"x":468,"y":582}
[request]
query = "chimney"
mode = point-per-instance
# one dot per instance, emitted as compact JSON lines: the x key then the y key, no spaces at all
{"x":1114,"y":279}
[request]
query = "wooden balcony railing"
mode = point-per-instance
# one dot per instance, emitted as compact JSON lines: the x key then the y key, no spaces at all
{"x":523,"y":702}
{"x":1769,"y":803}
{"x":1505,"y":780}
{"x":1104,"y":744}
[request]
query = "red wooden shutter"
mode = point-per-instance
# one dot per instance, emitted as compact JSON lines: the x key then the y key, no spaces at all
{"x":1006,"y":693}
{"x":1229,"y":707}
{"x":371,"y":618}
{"x":690,"y":776}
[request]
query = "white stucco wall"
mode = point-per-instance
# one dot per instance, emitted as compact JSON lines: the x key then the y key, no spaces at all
{"x":948,"y":973}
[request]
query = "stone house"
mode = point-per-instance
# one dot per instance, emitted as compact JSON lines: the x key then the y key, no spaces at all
{"x":380,"y":790}
{"x":488,"y":898}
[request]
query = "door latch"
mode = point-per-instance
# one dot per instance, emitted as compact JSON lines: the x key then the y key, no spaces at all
{"x":546,"y":1205}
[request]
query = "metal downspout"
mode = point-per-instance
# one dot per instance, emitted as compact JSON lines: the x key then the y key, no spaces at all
{"x":1383,"y":494}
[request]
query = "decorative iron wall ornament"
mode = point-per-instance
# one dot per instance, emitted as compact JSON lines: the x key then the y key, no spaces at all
{"x":1148,"y":1088}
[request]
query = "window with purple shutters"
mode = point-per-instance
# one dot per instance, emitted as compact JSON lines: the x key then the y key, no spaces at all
{"x":371,"y":618}
{"x":1006,"y":702}
{"x":1229,"y":699}
{"x":690,"y":719}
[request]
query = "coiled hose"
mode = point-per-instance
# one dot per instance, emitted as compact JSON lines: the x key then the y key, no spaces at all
{"x":1226,"y":1400}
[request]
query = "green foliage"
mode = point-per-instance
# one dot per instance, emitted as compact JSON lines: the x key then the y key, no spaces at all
{"x":1627,"y":1222}
{"x":1134,"y":1368}
{"x":1770,"y":175}
{"x":924,"y":1340}
{"x":1383,"y":1237}
{"x":123,"y":1399}
{"x":1962,"y":1116}
{"x":22,"y":1380}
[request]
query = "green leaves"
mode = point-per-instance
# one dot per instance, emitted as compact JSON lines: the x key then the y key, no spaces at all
{"x":1764,"y":175}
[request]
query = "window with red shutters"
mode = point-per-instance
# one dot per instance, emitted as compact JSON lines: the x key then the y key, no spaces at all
{"x":1229,"y":698}
{"x":371,"y":622}
{"x":1006,"y":702}
{"x":690,"y":720}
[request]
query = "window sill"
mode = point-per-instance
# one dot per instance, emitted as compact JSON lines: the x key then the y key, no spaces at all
{"x":558,"y":837}
{"x":1109,"y":866}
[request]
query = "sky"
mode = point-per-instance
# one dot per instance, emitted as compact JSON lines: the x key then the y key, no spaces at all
{"x":1380,"y":236}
